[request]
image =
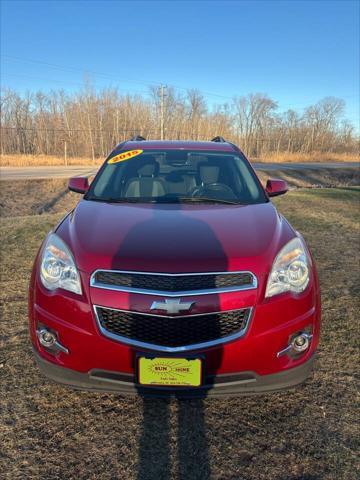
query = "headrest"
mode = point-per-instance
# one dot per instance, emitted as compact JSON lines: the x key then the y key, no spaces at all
{"x":150,"y":169}
{"x":209,"y":173}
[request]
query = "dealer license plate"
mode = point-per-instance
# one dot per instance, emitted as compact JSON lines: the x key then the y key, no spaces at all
{"x":173,"y":372}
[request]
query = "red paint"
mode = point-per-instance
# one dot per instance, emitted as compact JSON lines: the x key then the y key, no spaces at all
{"x":176,"y":238}
{"x":78,"y":184}
{"x":276,"y":187}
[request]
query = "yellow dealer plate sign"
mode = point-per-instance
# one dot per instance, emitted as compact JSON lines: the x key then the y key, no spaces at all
{"x":173,"y":372}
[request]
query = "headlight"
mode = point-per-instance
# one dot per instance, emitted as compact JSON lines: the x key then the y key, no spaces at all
{"x":58,"y":268}
{"x":290,"y":270}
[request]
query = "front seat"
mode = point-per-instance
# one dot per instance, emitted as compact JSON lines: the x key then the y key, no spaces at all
{"x":210,"y":185}
{"x":146,"y":184}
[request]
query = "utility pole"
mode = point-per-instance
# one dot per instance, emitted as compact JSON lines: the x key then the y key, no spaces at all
{"x":162,"y":111}
{"x":65,"y":153}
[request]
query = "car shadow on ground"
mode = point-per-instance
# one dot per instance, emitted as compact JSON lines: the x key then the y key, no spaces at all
{"x":186,"y":242}
{"x":155,"y":453}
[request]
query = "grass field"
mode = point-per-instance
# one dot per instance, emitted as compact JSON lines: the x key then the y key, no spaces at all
{"x":49,"y":432}
{"x":282,"y":157}
{"x":45,"y":160}
{"x":51,"y":160}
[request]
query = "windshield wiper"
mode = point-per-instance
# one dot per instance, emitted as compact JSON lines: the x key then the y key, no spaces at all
{"x":207,"y":200}
{"x":163,"y":200}
{"x":114,"y":200}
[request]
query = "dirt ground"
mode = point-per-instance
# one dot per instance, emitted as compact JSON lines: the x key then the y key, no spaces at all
{"x":48,"y":432}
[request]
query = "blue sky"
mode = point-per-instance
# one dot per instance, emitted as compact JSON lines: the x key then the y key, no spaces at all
{"x":295,"y":51}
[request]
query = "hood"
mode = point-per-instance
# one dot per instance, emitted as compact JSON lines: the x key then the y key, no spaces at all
{"x":174,"y":238}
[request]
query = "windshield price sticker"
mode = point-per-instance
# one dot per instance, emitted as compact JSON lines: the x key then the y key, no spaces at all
{"x":123,"y":156}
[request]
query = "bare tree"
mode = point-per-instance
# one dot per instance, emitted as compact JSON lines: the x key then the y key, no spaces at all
{"x":91,"y":123}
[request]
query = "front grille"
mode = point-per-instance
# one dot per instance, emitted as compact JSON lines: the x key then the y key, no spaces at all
{"x":135,"y":281}
{"x":172,"y":332}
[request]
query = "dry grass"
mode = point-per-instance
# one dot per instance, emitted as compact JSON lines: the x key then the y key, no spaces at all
{"x":44,"y":160}
{"x":50,"y":432}
{"x":324,"y":177}
{"x":284,"y":157}
{"x":32,"y":197}
{"x":49,"y":160}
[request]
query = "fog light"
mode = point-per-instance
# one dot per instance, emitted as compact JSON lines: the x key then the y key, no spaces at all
{"x":49,"y":340}
{"x":46,"y":338}
{"x":301,"y":342}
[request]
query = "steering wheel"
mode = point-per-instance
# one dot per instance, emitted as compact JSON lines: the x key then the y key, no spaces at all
{"x":212,"y":188}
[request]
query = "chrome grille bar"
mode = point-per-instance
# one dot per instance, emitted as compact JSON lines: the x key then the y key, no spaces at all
{"x":248,"y":277}
{"x":114,"y":333}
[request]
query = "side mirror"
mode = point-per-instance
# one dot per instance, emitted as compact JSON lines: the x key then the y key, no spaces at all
{"x":78,"y":184}
{"x":276,"y":187}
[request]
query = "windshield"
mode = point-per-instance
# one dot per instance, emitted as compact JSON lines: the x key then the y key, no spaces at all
{"x":173,"y":176}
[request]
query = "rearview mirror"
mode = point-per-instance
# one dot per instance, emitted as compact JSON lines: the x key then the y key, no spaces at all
{"x":275,"y":187}
{"x":78,"y":184}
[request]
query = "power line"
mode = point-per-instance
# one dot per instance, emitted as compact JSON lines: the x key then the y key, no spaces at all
{"x":127,"y":131}
{"x":145,"y":82}
{"x":33,"y":129}
{"x":65,"y":82}
{"x":82,"y":70}
{"x":106,"y":75}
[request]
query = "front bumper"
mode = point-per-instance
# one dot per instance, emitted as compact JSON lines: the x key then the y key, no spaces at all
{"x":243,"y":366}
{"x":244,"y":383}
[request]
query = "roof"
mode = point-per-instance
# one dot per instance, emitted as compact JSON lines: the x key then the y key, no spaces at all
{"x":175,"y":144}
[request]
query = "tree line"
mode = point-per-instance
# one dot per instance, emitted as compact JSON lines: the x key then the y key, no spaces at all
{"x":90,"y":123}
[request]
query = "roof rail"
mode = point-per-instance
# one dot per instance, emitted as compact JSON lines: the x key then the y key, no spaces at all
{"x":137,"y":138}
{"x":219,"y":139}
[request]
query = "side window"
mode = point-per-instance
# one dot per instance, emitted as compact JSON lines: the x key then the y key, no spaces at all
{"x":236,"y":180}
{"x":251,"y":186}
{"x":109,"y":183}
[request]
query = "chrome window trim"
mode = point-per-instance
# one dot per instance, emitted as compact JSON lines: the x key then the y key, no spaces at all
{"x":162,"y":348}
{"x":164,"y":293}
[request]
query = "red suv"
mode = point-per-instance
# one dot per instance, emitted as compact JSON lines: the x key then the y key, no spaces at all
{"x":175,"y":274}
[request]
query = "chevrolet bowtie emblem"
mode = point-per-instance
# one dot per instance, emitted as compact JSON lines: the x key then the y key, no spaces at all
{"x":172,"y":305}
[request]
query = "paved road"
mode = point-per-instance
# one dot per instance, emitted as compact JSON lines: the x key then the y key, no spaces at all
{"x":304,"y":166}
{"x":26,"y":173}
{"x":23,"y":173}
